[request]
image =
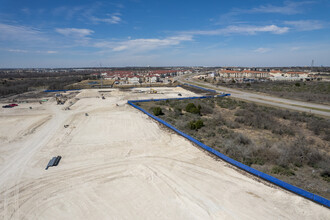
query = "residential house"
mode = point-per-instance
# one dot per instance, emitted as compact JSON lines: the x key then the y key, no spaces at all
{"x":134,"y":80}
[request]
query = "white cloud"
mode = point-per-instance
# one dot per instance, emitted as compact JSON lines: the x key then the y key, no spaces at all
{"x":295,"y":48}
{"x":17,"y":51}
{"x":111,"y":19}
{"x":305,"y":25}
{"x":262,"y":50}
{"x":91,"y":13}
{"x":31,"y":51}
{"x":143,"y":44}
{"x":51,"y":51}
{"x":44,"y":51}
{"x":255,"y":29}
{"x":69,"y":12}
{"x":74,"y":32}
{"x":288,"y":8}
{"x":26,"y":11}
{"x":247,"y":29}
{"x":18,"y":32}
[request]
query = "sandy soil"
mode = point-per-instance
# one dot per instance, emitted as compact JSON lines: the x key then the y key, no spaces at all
{"x":119,"y":164}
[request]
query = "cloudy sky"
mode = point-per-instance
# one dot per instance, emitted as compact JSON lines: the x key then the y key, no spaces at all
{"x":49,"y":33}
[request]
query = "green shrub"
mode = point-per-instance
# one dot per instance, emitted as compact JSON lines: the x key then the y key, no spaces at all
{"x":325,"y":176}
{"x":228,"y":103}
{"x":298,"y":164}
{"x":178,"y":112}
{"x":242,"y":139}
{"x":256,"y":160}
{"x":192,"y":125}
{"x":212,"y":134}
{"x":195,"y":125}
{"x":199,"y":124}
{"x":157,"y":111}
{"x":191,"y":107}
{"x":282,"y":171}
{"x":259,"y":161}
{"x":247,"y":161}
{"x":225,"y":133}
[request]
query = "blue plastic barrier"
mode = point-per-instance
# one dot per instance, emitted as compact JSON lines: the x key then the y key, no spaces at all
{"x":195,"y":97}
{"x":62,"y":90}
{"x":198,"y":87}
{"x":269,"y":178}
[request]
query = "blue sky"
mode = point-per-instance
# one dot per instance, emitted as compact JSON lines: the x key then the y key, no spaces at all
{"x":43,"y":33}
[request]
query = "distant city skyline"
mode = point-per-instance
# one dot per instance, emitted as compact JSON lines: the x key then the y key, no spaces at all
{"x":56,"y":34}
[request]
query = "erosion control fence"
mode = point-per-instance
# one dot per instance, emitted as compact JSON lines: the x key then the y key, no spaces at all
{"x":271,"y":179}
{"x":62,"y":90}
{"x":198,"y":87}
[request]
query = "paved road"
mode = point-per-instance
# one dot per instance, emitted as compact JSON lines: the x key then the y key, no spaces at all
{"x":323,"y":110}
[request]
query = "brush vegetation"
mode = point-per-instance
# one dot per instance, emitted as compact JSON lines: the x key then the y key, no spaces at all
{"x":289,"y":145}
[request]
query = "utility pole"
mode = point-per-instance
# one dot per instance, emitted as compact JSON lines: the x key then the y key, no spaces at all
{"x":149,"y":77}
{"x":101,"y":75}
{"x":312,"y":65}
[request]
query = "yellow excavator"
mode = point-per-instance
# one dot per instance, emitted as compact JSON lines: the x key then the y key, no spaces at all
{"x":60,"y":100}
{"x":153,"y":91}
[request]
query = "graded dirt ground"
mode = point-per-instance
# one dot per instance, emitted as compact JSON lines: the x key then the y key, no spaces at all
{"x":117,"y":163}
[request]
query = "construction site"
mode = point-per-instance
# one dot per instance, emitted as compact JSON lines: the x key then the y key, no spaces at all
{"x":105,"y":159}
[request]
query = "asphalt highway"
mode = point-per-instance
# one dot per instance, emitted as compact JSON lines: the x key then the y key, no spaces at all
{"x":318,"y":109}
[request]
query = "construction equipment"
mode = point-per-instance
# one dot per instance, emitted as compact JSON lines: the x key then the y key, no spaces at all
{"x":53,"y":162}
{"x":7,"y":106}
{"x":60,"y":101}
{"x":153,"y":91}
{"x":10,"y":106}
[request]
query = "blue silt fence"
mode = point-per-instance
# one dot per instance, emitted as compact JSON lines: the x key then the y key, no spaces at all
{"x":198,"y":87}
{"x":196,"y":97}
{"x":62,"y":90}
{"x":269,"y":178}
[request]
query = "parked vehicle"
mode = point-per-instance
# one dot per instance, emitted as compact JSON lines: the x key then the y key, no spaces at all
{"x":10,"y":105}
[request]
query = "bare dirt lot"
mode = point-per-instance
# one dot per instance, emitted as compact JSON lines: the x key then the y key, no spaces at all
{"x":119,"y":164}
